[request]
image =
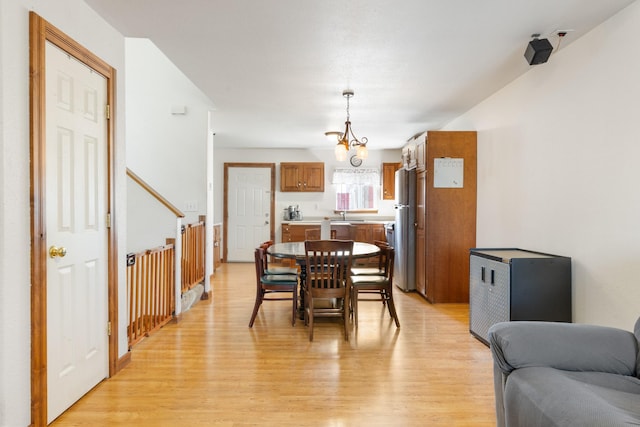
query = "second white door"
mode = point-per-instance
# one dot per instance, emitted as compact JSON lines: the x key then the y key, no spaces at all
{"x":249,"y":207}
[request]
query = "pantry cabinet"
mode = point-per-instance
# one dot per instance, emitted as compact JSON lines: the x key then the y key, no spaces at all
{"x":445,"y":226}
{"x":302,"y":177}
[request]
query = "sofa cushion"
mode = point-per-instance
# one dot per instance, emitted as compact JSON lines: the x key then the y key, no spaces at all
{"x":541,"y":396}
{"x":636,"y":331}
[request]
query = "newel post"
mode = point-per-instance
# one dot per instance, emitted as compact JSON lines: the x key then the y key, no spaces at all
{"x":178,"y":268}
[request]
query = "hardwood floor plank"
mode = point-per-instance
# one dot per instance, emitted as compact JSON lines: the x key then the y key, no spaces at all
{"x":212,"y":370}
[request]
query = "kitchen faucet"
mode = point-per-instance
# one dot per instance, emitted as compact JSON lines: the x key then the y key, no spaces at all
{"x":343,"y":214}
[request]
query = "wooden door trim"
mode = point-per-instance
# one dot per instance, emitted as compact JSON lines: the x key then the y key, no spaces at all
{"x":40,"y":32}
{"x":272,"y":201}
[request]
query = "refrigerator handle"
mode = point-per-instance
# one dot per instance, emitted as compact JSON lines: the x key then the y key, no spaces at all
{"x":482,"y":274}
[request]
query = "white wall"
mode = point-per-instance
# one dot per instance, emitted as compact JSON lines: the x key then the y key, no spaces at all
{"x":76,"y":19}
{"x":168,"y":151}
{"x":315,"y":205}
{"x":558,"y":171}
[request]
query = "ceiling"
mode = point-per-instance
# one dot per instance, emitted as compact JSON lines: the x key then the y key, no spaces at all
{"x":275,"y":69}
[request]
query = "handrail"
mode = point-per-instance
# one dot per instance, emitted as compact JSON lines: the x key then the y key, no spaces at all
{"x":177,"y":212}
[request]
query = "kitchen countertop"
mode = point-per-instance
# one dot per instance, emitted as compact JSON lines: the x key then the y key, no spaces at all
{"x":340,"y":221}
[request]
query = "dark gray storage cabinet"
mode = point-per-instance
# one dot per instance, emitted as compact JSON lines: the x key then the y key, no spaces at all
{"x":513,"y":284}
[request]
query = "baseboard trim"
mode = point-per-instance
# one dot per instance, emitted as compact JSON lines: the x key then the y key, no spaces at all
{"x":123,"y":361}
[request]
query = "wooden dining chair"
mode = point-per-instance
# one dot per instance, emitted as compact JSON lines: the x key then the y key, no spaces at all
{"x":380,"y":285}
{"x":271,"y":269}
{"x":314,"y":234}
{"x":270,"y":287}
{"x":380,"y":270}
{"x":328,"y":280}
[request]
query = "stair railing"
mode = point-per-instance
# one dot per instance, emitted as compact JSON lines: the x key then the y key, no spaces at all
{"x":150,"y":291}
{"x":177,"y":241}
{"x":193,"y":258}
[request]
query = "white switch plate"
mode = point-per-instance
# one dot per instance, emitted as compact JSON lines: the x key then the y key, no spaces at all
{"x":191,"y":206}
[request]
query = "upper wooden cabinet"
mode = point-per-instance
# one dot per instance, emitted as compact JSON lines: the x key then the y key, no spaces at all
{"x":389,"y":180}
{"x":409,"y":155}
{"x":302,"y":176}
{"x":421,"y":155}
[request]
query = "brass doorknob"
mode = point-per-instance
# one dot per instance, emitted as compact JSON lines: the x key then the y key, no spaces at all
{"x":57,"y":252}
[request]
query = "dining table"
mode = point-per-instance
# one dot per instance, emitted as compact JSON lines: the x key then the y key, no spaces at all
{"x":296,"y":251}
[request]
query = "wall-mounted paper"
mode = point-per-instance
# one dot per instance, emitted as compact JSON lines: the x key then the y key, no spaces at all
{"x":448,"y":173}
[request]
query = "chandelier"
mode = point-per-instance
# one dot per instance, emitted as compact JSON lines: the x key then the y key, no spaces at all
{"x":347,"y":139}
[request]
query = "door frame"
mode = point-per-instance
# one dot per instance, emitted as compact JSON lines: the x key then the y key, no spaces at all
{"x":272,"y":202}
{"x":40,"y":32}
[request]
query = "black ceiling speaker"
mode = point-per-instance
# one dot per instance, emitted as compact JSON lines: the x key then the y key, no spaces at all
{"x":538,"y":51}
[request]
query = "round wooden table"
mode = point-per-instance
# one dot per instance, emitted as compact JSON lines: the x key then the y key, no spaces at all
{"x":295,"y":250}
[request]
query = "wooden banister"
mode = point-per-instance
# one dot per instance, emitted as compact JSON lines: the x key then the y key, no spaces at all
{"x":150,"y":283}
{"x":177,"y":212}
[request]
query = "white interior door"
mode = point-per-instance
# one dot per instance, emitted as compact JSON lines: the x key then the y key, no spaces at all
{"x":249,"y":210}
{"x":77,"y":294}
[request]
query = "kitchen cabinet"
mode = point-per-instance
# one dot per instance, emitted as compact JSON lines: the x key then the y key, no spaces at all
{"x":409,"y":156}
{"x":445,"y":217}
{"x":295,"y":232}
{"x":389,"y":180}
{"x":420,"y":152}
{"x":368,"y":233}
{"x":509,"y":284}
{"x":378,"y":233}
{"x":302,"y":177}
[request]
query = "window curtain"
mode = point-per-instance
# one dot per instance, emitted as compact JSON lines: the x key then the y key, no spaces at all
{"x":356,"y":176}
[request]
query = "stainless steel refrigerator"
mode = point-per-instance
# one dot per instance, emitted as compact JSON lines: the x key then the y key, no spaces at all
{"x":404,"y":273}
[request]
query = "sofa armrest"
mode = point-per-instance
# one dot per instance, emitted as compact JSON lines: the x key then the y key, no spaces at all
{"x":567,"y":346}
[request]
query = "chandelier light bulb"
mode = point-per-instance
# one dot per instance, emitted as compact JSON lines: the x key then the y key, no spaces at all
{"x":341,"y":152}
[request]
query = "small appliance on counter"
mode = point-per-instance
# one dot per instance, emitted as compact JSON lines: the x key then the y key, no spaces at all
{"x":292,"y":213}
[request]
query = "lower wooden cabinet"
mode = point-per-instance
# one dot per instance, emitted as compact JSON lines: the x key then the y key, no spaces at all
{"x":368,"y":233}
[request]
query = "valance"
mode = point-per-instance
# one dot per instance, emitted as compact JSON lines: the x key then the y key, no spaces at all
{"x":365,"y":176}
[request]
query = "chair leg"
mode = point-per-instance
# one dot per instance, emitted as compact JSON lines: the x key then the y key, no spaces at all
{"x":309,"y":311}
{"x":345,"y":315}
{"x":295,"y":306}
{"x":259,"y":296}
{"x":392,"y":309}
{"x":354,"y":304}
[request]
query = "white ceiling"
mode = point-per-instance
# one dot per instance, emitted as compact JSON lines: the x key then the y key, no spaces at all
{"x":275,"y":69}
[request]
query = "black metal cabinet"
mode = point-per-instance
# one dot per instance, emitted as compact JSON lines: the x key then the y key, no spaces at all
{"x":508,"y":284}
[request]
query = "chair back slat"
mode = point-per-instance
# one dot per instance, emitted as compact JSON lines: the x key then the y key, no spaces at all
{"x":328,"y":263}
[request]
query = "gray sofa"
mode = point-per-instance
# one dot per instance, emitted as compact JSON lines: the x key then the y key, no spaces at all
{"x":565,"y":374}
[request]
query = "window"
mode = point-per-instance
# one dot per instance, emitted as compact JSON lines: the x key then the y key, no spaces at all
{"x":357,"y":189}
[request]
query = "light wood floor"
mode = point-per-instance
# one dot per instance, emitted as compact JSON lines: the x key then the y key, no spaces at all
{"x":212,"y":370}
